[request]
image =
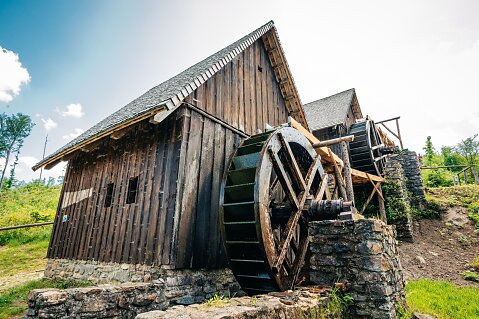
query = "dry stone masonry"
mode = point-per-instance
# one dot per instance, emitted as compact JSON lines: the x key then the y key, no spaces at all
{"x":123,"y":301}
{"x":299,"y":304}
{"x":414,"y":182}
{"x":363,"y":254}
{"x":397,"y":199}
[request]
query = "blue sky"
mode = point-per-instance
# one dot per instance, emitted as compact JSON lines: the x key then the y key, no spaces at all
{"x":417,"y":59}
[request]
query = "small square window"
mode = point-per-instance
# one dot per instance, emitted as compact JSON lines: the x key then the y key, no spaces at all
{"x":109,"y":194}
{"x":132,"y":190}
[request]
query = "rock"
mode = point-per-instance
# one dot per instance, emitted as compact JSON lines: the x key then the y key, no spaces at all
{"x":421,"y":316}
{"x":421,"y":260}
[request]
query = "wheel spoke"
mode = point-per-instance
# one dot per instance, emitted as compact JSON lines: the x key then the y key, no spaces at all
{"x":283,"y":178}
{"x":292,"y":165}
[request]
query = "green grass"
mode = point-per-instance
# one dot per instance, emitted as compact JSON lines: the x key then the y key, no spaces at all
{"x":442,"y":299}
{"x":14,"y":302}
{"x":31,"y":203}
{"x":26,"y":257}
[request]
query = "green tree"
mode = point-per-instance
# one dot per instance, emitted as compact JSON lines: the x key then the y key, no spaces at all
{"x":469,"y":148}
{"x":452,"y":157}
{"x":429,"y":149}
{"x":13,"y":131}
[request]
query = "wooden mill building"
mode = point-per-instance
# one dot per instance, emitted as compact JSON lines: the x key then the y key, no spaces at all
{"x":332,"y":116}
{"x":142,"y":186}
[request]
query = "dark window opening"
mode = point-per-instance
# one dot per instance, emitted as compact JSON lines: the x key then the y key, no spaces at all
{"x":132,"y":190}
{"x":109,"y":194}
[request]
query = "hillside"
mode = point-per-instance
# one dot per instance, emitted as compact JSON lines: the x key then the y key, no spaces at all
{"x":445,"y":247}
{"x":23,"y":251}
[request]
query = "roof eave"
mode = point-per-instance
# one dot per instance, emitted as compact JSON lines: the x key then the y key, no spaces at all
{"x":165,"y":105}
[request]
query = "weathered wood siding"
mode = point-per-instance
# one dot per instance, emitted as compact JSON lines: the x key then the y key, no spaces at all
{"x":139,"y":232}
{"x":244,"y":93}
{"x":179,"y":164}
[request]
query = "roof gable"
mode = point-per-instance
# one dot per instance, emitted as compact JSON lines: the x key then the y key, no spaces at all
{"x":170,"y":94}
{"x":331,"y":110}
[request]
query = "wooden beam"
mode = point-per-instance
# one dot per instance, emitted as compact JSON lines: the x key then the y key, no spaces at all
{"x":399,"y":133}
{"x":333,"y":141}
{"x":347,"y":171}
{"x":388,"y":120}
{"x":323,"y":151}
{"x":364,"y":175}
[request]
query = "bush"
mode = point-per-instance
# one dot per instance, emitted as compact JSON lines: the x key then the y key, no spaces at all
{"x":471,"y":276}
{"x":396,"y":208}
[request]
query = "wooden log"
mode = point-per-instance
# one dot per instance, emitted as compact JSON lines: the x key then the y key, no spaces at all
{"x":26,"y":226}
{"x":333,"y":141}
{"x":347,"y":171}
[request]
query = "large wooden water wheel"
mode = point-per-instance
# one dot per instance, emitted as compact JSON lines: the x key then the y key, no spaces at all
{"x":367,"y":151}
{"x":273,"y":185}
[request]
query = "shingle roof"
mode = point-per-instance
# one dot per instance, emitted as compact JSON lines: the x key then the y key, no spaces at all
{"x":168,"y":94}
{"x":329,"y":111}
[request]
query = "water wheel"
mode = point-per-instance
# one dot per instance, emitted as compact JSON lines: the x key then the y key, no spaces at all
{"x":272,"y":184}
{"x":367,"y":149}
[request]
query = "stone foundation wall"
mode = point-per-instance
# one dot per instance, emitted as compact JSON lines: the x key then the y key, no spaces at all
{"x":397,"y":201}
{"x":299,"y":304}
{"x":363,"y":254}
{"x":124,"y":301}
{"x":414,"y":182}
{"x":181,"y":286}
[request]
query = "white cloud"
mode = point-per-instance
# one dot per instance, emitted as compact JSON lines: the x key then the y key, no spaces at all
{"x":73,"y":110}
{"x":49,"y":124}
{"x":12,"y":75}
{"x":29,"y":161}
{"x":75,"y":133}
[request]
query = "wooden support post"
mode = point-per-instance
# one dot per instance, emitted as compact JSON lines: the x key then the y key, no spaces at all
{"x":339,"y":178}
{"x":465,"y":177}
{"x":399,"y":133}
{"x":382,"y":207}
{"x":347,"y":171}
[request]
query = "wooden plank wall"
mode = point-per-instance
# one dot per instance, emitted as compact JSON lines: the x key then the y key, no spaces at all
{"x":244,"y":93}
{"x":179,"y":164}
{"x":141,"y":232}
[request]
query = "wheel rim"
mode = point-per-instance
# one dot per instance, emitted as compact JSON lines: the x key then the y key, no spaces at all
{"x":266,"y":246}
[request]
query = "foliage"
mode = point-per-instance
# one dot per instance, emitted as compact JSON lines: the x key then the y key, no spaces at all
{"x":429,"y":149}
{"x":464,"y":153}
{"x":14,"y":301}
{"x":438,"y":178}
{"x":469,"y":148}
{"x":475,"y":264}
{"x":471,"y":276}
{"x":451,"y":157}
{"x":396,"y":208}
{"x":442,"y":299}
{"x":31,"y":203}
{"x":13,"y":131}
{"x":216,"y":301}
{"x":336,"y":307}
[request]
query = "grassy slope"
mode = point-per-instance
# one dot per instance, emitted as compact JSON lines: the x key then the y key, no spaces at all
{"x":442,"y":299}
{"x":25,"y":249}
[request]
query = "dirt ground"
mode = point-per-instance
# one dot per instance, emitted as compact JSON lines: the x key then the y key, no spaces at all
{"x":442,"y":248}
